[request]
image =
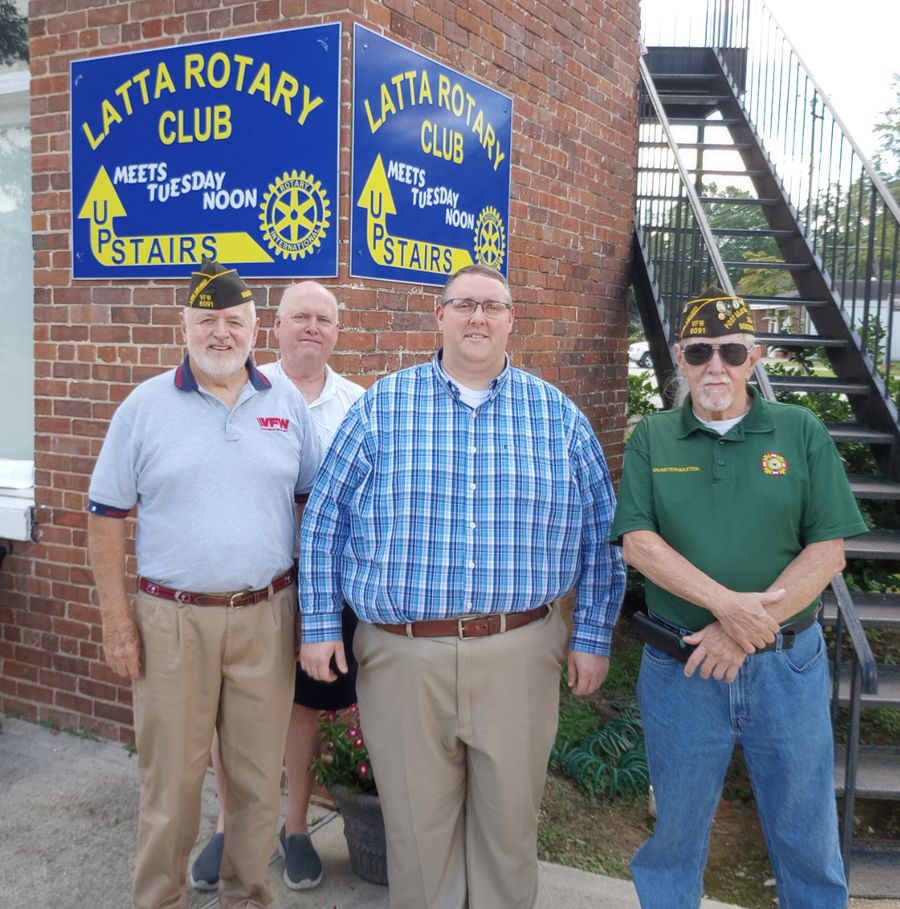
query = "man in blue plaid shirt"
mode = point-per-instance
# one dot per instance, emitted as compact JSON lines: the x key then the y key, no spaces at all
{"x":458,"y":500}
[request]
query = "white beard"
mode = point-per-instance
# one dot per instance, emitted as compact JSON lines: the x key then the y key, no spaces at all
{"x":217,"y":363}
{"x":715,"y":399}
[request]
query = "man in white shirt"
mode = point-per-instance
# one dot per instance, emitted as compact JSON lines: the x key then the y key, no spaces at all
{"x":306,"y":326}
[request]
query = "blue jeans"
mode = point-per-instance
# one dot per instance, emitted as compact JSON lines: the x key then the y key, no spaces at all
{"x":777,"y":711}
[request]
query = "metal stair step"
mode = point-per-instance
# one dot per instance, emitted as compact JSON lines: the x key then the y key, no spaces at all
{"x":784,"y":301}
{"x":872,"y":487}
{"x":704,"y":146}
{"x":751,"y":232}
{"x":853,"y":432}
{"x":688,"y":97}
{"x":720,"y":172}
{"x":876,"y":544}
{"x":817,"y":384}
{"x":792,"y":340}
{"x":738,"y":200}
{"x":683,"y":77}
{"x":877,"y":773}
{"x":875,"y":869}
{"x":888,"y":689}
{"x":875,"y":610}
{"x":755,"y":263}
{"x":703,"y":121}
{"x":720,"y":231}
{"x":715,"y":171}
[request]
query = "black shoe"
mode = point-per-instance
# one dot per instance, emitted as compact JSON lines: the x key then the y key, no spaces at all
{"x":205,"y":872}
{"x":302,"y":865}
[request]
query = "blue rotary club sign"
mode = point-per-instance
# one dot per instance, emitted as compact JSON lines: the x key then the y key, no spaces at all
{"x":431,"y":166}
{"x":225,"y":149}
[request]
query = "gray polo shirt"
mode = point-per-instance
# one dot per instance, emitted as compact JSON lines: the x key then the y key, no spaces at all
{"x":215,"y":488}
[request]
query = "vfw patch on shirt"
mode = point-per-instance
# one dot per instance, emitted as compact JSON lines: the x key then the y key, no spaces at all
{"x":773,"y":464}
{"x":273,"y":424}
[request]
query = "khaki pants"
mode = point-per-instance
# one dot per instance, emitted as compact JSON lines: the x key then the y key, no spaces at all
{"x":460,"y":733}
{"x":209,"y":667}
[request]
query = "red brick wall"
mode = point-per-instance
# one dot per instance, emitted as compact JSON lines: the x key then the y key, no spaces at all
{"x":572,"y":70}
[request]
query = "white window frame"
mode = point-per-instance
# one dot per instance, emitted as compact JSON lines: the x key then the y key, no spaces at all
{"x":16,"y":489}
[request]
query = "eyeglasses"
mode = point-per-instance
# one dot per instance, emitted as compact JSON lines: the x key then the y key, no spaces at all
{"x":493,"y":309}
{"x":733,"y":354}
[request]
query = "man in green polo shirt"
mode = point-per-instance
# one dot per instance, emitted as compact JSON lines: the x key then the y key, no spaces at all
{"x":734,"y":508}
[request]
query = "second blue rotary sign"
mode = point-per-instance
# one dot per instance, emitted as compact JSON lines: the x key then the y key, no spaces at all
{"x":431,"y":166}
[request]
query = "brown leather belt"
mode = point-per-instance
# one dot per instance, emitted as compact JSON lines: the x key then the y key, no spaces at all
{"x":468,"y":626}
{"x":236,"y":600}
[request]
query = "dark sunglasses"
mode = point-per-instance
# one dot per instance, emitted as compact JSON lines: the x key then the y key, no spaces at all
{"x":733,"y":354}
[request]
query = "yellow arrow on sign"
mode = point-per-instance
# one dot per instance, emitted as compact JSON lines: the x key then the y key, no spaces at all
{"x":103,"y":204}
{"x":401,"y":252}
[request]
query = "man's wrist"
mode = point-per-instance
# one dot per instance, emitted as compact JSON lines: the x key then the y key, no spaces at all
{"x":588,"y":642}
{"x":316,"y":628}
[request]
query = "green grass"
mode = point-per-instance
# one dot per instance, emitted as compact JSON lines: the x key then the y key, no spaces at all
{"x":624,"y":668}
{"x":555,"y":842}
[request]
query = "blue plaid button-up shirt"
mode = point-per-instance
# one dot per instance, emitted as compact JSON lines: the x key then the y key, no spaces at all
{"x":427,"y":509}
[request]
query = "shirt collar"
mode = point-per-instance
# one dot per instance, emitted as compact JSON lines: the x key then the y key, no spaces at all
{"x":329,"y":389}
{"x":757,"y":419}
{"x":185,"y":381}
{"x":496,"y":383}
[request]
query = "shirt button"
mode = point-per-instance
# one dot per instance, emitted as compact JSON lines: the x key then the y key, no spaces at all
{"x":721,"y":461}
{"x":471,"y":564}
{"x":472,"y":450}
{"x":472,"y":486}
{"x":468,"y":605}
{"x":472,"y":525}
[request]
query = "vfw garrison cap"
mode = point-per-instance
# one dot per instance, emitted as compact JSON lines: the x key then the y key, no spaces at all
{"x":714,"y":313}
{"x":217,"y":287}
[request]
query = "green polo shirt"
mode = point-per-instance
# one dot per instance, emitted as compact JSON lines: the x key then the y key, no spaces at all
{"x":740,"y":507}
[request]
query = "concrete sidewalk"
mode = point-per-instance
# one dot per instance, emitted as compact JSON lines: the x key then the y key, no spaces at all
{"x":68,"y":820}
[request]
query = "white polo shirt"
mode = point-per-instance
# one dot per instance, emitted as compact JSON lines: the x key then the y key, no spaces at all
{"x":330,"y":408}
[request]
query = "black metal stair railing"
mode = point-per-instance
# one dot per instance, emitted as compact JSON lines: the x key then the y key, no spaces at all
{"x":850,"y":217}
{"x":670,"y":223}
{"x":847,"y":219}
{"x":863,"y":680}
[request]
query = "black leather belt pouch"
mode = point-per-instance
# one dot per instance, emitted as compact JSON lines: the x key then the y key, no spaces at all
{"x":660,"y":636}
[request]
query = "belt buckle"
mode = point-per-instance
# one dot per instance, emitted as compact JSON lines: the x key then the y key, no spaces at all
{"x":463,"y":620}
{"x":235,"y":596}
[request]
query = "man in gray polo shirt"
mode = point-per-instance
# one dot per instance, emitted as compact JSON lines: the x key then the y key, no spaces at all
{"x":214,"y":455}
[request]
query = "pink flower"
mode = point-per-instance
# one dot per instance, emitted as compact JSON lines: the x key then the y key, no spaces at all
{"x":359,"y":743}
{"x":352,"y":732}
{"x":364,"y":769}
{"x":331,"y":716}
{"x":329,"y":746}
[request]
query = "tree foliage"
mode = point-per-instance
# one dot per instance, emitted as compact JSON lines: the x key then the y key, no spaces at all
{"x":887,"y":128}
{"x":728,"y":216}
{"x":13,"y":34}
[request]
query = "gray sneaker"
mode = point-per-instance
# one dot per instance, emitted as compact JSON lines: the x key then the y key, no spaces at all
{"x":205,"y":872}
{"x":302,"y":865}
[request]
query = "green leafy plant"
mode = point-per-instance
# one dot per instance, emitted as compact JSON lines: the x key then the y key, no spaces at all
{"x":51,"y":723}
{"x":346,"y":759}
{"x":640,"y":395}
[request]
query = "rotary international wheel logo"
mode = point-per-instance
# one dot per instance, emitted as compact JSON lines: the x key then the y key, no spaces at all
{"x":490,"y":239}
{"x":295,"y":214}
{"x":773,"y":464}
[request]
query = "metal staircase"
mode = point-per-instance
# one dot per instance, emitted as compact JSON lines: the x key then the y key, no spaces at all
{"x":747,"y":179}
